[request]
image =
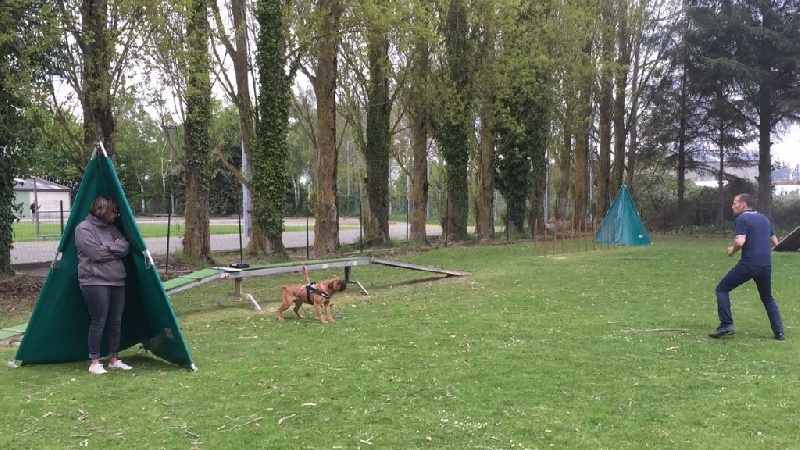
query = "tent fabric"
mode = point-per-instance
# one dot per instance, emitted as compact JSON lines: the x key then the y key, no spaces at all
{"x":58,"y":327}
{"x":789,"y":243}
{"x":622,"y":224}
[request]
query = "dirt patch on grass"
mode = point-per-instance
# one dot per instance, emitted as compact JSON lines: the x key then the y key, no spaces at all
{"x":19,"y":293}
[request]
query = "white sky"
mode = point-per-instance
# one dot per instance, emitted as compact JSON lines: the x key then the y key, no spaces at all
{"x":788,"y":149}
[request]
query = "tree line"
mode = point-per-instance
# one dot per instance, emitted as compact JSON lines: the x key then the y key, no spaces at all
{"x":554,"y":105}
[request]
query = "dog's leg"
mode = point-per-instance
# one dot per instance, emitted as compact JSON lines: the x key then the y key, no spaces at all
{"x":280,"y":311}
{"x":286,"y":300}
{"x":297,"y":305}
{"x":328,"y":310}
{"x":319,"y":310}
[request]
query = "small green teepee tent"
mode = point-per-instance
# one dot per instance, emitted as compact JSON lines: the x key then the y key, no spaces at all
{"x":622,"y":224}
{"x":57,"y":330}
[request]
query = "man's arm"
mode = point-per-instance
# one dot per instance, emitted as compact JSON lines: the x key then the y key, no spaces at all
{"x":774,"y":241}
{"x":738,"y":243}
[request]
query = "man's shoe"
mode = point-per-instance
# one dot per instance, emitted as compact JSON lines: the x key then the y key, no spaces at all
{"x":780,"y":337}
{"x":721,"y":331}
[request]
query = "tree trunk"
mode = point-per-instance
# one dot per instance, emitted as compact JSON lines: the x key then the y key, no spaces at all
{"x":484,"y":211}
{"x":457,"y":126}
{"x":564,"y":164}
{"x":602,"y":199}
{"x":680,"y":151}
{"x":633,"y":118}
{"x":721,"y":179}
{"x":420,"y":118}
{"x":7,"y":216}
{"x":326,"y":224}
{"x":259,"y":245}
{"x":621,"y":82}
{"x":765,"y":115}
{"x":197,"y":142}
{"x":583,"y":134}
{"x":581,"y":183}
{"x":270,"y":151}
{"x":419,"y":179}
{"x":98,"y":118}
{"x":379,"y":109}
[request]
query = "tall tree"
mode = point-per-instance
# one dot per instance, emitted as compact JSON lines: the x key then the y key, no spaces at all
{"x":320,"y":35}
{"x":197,"y":141}
{"x":366,"y":107}
{"x":620,"y":98}
{"x":582,"y":136}
{"x":270,"y":154}
{"x":326,"y":224}
{"x":455,"y":125}
{"x":755,"y":44}
{"x":489,"y":16}
{"x":524,"y":103}
{"x":100,"y":41}
{"x":418,"y":105}
{"x":379,"y":110}
{"x":239,"y":92}
{"x":602,"y":198}
{"x":26,"y":33}
{"x":97,"y":47}
{"x":673,"y":120}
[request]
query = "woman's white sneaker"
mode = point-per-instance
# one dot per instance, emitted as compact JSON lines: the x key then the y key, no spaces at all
{"x":118,"y":364}
{"x":96,"y":369}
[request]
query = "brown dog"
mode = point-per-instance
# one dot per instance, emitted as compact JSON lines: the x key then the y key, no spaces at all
{"x":317,"y":294}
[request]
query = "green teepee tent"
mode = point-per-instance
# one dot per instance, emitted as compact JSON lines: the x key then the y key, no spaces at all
{"x":622,"y":224}
{"x":57,"y":330}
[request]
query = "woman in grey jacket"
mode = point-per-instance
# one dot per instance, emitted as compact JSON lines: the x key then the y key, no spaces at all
{"x":101,"y":274}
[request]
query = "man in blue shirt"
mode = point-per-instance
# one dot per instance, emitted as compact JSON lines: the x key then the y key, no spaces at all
{"x":755,"y":237}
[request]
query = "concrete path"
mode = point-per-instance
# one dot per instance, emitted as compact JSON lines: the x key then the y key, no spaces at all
{"x":37,"y":252}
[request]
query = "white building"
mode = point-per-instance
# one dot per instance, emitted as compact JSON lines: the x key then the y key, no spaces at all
{"x":785,"y":181}
{"x":50,"y":197}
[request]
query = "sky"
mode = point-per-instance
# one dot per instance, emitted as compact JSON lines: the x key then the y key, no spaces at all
{"x":788,"y":148}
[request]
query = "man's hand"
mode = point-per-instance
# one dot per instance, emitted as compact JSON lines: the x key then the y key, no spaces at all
{"x":731,"y":250}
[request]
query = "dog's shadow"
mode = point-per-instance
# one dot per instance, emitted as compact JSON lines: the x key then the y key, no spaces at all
{"x":409,"y":282}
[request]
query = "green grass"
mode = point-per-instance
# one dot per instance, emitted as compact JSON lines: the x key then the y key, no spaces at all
{"x":26,"y":231}
{"x":605,"y":349}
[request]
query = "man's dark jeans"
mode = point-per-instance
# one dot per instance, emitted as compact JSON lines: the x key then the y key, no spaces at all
{"x":106,"y":304}
{"x":736,"y":277}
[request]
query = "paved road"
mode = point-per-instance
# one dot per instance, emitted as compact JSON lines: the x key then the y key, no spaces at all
{"x":34,"y":252}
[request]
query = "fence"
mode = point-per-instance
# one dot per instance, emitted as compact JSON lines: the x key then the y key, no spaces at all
{"x":37,"y":242}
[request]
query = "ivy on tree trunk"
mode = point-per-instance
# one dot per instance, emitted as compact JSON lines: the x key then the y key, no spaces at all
{"x":197,"y":143}
{"x":271,"y":154}
{"x":379,"y":109}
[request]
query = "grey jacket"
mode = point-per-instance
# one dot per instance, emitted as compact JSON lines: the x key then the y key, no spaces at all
{"x":101,"y":248}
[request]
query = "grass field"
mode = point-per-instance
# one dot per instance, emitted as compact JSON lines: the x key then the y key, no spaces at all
{"x":598,"y":350}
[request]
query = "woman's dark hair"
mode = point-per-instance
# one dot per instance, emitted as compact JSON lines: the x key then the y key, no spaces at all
{"x":102,"y":206}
